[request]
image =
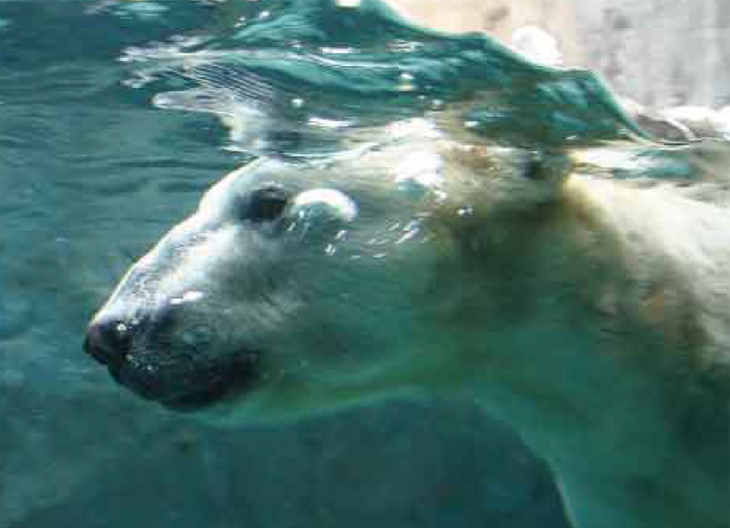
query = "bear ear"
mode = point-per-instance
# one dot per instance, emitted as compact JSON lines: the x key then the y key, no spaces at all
{"x":510,"y":177}
{"x":550,"y":166}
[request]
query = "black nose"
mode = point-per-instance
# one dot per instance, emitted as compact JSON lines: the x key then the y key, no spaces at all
{"x":107,"y":341}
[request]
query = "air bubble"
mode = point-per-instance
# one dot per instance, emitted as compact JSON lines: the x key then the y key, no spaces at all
{"x":407,"y":84}
{"x":407,"y":236}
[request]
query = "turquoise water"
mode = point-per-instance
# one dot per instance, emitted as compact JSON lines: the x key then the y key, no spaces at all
{"x":109,"y":132}
{"x":305,"y":61}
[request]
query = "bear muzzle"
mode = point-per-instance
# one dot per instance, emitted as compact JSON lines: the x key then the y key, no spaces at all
{"x":182,"y":381}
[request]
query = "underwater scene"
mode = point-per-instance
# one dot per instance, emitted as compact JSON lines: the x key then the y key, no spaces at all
{"x":298,"y":352}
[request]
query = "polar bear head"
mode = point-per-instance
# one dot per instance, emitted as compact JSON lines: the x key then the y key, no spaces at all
{"x":300,"y":287}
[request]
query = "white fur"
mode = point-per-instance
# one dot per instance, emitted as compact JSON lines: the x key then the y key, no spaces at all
{"x":591,"y":315}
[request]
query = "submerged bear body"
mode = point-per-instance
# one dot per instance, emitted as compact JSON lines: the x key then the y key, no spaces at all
{"x":590,"y":314}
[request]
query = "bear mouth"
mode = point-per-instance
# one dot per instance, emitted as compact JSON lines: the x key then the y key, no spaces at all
{"x":197,"y":389}
{"x":238,"y":379}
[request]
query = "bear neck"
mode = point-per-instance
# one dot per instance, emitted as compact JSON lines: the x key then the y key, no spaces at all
{"x":574,"y":326}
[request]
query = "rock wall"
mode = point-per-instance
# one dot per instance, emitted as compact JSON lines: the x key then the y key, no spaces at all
{"x":661,"y":53}
{"x":499,"y":18}
{"x":658,"y":52}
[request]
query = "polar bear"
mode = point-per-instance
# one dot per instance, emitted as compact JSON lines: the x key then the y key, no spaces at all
{"x":591,"y":314}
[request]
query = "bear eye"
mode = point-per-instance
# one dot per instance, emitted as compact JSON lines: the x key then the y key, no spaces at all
{"x":266,"y":204}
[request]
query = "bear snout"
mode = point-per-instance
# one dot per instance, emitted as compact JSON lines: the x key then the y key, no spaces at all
{"x":179,"y":378}
{"x":107,"y":341}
